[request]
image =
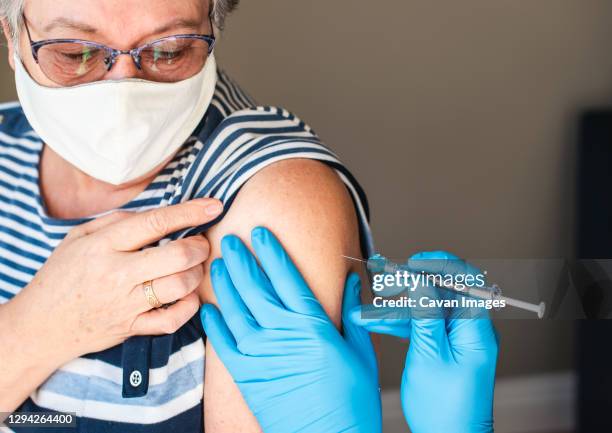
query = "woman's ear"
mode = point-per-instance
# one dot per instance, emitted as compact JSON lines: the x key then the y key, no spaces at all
{"x":9,"y":41}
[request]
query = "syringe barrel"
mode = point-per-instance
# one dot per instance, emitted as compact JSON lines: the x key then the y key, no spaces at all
{"x":380,"y":264}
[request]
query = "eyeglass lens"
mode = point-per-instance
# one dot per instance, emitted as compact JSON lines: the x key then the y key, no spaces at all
{"x":167,"y":60}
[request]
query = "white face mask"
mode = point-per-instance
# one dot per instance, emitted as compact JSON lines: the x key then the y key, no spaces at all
{"x":116,"y":131}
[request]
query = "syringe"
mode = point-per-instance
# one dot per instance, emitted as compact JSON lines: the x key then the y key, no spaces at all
{"x":380,"y":264}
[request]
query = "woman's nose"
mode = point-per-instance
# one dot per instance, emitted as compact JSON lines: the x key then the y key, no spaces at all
{"x":123,"y":68}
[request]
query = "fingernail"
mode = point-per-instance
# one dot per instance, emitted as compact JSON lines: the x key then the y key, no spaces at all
{"x":357,"y":287}
{"x":214,"y":208}
{"x":355,"y":284}
{"x":215,"y":267}
{"x":203,"y":314}
{"x":258,"y":232}
{"x":230,"y":243}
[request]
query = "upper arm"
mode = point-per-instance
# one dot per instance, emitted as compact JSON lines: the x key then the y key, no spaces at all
{"x":308,"y":208}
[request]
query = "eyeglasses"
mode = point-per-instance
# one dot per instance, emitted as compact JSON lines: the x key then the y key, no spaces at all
{"x":70,"y":62}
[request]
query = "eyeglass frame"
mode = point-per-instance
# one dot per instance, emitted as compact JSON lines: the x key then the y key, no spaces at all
{"x":111,"y":59}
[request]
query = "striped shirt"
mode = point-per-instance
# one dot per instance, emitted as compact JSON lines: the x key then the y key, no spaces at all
{"x":151,"y":383}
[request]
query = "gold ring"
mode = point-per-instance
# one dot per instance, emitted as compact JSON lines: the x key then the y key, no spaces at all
{"x":147,"y":286}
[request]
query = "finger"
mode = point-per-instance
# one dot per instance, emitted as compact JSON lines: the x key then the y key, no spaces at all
{"x":171,"y":258}
{"x":284,"y":276}
{"x":147,"y":227}
{"x":355,"y":336}
{"x":220,"y":336}
{"x":167,"y":320}
{"x":97,"y":224}
{"x":428,"y":334}
{"x":441,"y":263}
{"x":236,"y":314}
{"x":430,"y":302}
{"x":352,"y":292}
{"x":171,"y":287}
{"x":251,"y":283}
{"x":385,"y":320}
{"x":428,"y":338}
{"x":392,"y":288}
{"x":465,"y":308}
{"x":475,"y":339}
{"x":467,"y":328}
{"x":471,"y":335}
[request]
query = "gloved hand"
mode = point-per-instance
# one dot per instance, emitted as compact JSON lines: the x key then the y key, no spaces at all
{"x":296,"y":372}
{"x":448,"y":379}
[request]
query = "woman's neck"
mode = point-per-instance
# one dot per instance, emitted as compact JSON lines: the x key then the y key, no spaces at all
{"x":69,"y":193}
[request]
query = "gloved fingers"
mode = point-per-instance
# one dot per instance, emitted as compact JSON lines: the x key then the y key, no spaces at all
{"x":251,"y":283}
{"x":390,"y":314}
{"x":472,"y":336}
{"x":236,"y":314}
{"x":428,"y":336}
{"x":391,"y":290}
{"x":440,"y":263}
{"x":382,"y":320}
{"x":240,"y":364}
{"x":429,"y":302}
{"x":352,"y":293}
{"x":219,"y":334}
{"x":262,"y":370}
{"x":354,"y":335}
{"x":278,"y":343}
{"x":285,"y":277}
{"x":464,"y":312}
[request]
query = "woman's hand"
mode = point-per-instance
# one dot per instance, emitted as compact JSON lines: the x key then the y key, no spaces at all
{"x":89,"y":294}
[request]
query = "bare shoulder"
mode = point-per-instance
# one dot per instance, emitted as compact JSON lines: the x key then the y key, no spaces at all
{"x":307,"y":206}
{"x":296,"y":191}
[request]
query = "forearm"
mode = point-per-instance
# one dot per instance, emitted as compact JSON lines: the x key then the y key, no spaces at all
{"x":28,"y":353}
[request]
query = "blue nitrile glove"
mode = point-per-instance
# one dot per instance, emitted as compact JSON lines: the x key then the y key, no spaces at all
{"x":448,"y":379}
{"x":296,"y":372}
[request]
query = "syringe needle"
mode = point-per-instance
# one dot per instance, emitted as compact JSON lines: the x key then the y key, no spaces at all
{"x":355,"y":259}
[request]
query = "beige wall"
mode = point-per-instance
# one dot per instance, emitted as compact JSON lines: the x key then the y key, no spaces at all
{"x":456,"y":116}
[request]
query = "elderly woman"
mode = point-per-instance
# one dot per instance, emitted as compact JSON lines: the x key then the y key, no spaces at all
{"x":127,"y":159}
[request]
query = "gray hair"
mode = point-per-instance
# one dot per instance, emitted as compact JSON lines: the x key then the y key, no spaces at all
{"x":12,"y":11}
